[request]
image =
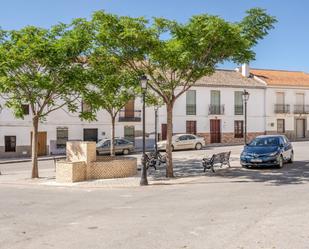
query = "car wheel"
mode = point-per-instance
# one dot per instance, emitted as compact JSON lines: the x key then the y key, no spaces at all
{"x":291,"y":160}
{"x":280,"y":161}
{"x":198,"y":146}
{"x":98,"y":153}
{"x":172,"y":147}
{"x":125,"y":152}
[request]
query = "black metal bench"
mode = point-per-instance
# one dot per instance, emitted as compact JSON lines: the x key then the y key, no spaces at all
{"x":219,"y":159}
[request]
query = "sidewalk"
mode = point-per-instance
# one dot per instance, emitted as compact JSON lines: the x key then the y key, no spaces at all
{"x":28,"y":159}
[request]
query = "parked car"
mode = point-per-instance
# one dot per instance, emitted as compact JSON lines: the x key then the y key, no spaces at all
{"x":268,"y":150}
{"x":122,"y":145}
{"x":184,"y":141}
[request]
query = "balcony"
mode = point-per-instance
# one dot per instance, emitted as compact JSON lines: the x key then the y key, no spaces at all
{"x":301,"y":109}
{"x":130,"y":116}
{"x":239,"y":109}
{"x":216,"y":110}
{"x":282,"y":109}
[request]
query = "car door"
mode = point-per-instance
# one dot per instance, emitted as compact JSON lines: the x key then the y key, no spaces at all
{"x":105,"y":148}
{"x":180,"y":142}
{"x":120,"y":145}
{"x":186,"y":142}
{"x":287,"y":148}
{"x":284,"y":149}
{"x":191,"y":140}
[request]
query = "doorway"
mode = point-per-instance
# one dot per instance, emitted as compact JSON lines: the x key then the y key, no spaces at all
{"x":91,"y":135}
{"x":129,"y":133}
{"x":129,"y":109}
{"x":300,"y":128}
{"x":215,"y":131}
{"x":42,"y":143}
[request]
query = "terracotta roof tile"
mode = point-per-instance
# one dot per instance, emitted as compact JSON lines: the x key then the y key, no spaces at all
{"x":282,"y":78}
{"x":229,"y":78}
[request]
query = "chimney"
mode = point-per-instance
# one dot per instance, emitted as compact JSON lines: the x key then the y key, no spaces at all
{"x":245,"y":70}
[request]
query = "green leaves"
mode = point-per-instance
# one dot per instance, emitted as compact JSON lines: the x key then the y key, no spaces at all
{"x":256,"y":25}
{"x":42,"y":67}
{"x":176,"y":55}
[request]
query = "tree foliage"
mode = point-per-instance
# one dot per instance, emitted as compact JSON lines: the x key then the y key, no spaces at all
{"x":175,"y":55}
{"x":43,"y":68}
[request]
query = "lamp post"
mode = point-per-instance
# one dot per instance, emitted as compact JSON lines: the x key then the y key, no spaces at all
{"x":156,"y":108}
{"x":144,"y":181}
{"x":245,"y":98}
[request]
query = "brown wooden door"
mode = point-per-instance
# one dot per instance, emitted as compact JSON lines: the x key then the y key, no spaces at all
{"x":215,"y":131}
{"x":191,"y":127}
{"x":163,"y":131}
{"x":42,"y":143}
{"x":129,"y":109}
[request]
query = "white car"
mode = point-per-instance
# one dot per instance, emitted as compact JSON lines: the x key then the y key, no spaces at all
{"x":184,"y":141}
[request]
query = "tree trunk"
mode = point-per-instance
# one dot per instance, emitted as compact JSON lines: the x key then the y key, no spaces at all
{"x":34,"y":154}
{"x":169,"y":159}
{"x":113,"y":136}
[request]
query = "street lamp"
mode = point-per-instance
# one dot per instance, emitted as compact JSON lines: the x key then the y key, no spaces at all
{"x":245,"y":98}
{"x":156,"y":108}
{"x":144,"y":181}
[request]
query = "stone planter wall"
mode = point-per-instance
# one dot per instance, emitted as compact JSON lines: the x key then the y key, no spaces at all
{"x":108,"y":167}
{"x":68,"y":172}
{"x":82,"y":164}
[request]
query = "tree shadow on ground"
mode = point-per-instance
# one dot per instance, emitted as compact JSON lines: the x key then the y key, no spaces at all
{"x":296,"y":173}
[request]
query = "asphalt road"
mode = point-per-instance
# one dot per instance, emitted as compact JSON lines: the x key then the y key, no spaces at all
{"x":234,"y":208}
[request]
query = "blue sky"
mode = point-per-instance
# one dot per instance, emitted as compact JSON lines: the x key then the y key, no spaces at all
{"x":287,"y":47}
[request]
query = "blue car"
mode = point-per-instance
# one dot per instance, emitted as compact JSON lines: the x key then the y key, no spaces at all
{"x":268,"y":150}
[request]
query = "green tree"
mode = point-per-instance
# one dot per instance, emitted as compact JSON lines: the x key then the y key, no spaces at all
{"x":176,"y":55}
{"x":43,"y":68}
{"x":113,"y":86}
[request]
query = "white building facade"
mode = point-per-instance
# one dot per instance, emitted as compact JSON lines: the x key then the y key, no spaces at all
{"x":213,"y":108}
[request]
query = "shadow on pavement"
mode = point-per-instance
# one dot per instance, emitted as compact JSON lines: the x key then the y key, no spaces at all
{"x":296,"y":173}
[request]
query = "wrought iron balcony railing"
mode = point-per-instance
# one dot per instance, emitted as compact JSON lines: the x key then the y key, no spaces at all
{"x":216,"y":110}
{"x":301,"y":109}
{"x":130,"y":116}
{"x":282,"y":109}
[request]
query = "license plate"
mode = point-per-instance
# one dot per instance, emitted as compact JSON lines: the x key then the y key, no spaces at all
{"x":256,"y":160}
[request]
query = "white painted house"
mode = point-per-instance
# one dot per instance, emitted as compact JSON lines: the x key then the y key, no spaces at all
{"x":287,"y":102}
{"x":213,"y":108}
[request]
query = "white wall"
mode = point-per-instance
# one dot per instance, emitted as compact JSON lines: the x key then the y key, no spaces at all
{"x":256,"y":110}
{"x":290,"y":99}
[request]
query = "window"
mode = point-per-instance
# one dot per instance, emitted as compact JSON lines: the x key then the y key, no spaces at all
{"x":191,"y":102}
{"x":280,"y":98}
{"x":239,"y":129}
{"x":122,"y":142}
{"x":191,"y":127}
{"x":238,"y":103}
{"x":215,"y":97}
{"x":10,"y":143}
{"x":280,"y":125}
{"x":62,"y":137}
{"x":190,"y":137}
{"x":214,"y":107}
{"x":86,"y":107}
{"x":182,"y":138}
{"x":25,"y":109}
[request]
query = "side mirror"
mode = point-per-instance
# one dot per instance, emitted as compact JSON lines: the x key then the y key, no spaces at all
{"x":177,"y":140}
{"x":281,"y":146}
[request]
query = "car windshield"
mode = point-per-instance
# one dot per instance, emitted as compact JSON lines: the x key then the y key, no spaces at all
{"x":265,"y":141}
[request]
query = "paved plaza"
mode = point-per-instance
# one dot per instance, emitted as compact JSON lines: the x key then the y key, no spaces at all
{"x":232,"y":208}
